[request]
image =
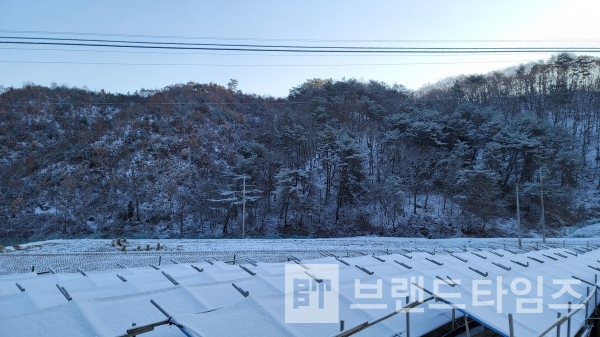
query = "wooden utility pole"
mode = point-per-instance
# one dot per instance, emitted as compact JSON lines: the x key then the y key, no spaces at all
{"x":518,"y":214}
{"x":244,"y":209}
{"x":542,"y":200}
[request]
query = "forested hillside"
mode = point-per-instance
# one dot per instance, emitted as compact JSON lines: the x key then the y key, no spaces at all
{"x":336,"y":157}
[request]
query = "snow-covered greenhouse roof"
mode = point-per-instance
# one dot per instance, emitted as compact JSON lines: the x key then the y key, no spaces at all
{"x":215,"y":298}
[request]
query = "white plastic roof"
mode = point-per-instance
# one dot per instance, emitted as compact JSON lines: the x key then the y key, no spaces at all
{"x":206,"y":304}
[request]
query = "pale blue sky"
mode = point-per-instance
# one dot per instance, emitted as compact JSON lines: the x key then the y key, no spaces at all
{"x":564,"y":23}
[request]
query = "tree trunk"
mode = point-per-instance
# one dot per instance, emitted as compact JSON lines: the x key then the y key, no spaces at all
{"x":337,"y":209}
{"x":181,"y":220}
{"x":137,"y":208}
{"x":285,"y":215}
{"x":415,"y":203}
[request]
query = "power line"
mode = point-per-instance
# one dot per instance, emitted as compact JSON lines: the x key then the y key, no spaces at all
{"x":223,"y":54}
{"x":298,"y":39}
{"x":228,"y":45}
{"x":259,"y":65}
{"x":320,"y":49}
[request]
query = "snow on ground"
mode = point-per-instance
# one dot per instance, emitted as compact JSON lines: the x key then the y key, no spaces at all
{"x":590,"y":231}
{"x":94,"y":255}
{"x":281,"y":245}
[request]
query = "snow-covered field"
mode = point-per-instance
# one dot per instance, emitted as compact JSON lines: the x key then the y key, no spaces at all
{"x":282,"y":245}
{"x":90,"y":254}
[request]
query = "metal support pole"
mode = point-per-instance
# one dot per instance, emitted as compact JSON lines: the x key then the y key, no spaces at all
{"x":511,"y":328}
{"x":407,"y":319}
{"x":558,"y":326}
{"x":586,"y":304}
{"x":467,"y":325}
{"x":596,"y":294}
{"x":407,"y":324}
{"x":342,"y":325}
{"x":453,"y":318}
{"x":569,"y":321}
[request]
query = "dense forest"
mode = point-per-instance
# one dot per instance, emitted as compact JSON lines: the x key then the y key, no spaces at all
{"x":334,"y":158}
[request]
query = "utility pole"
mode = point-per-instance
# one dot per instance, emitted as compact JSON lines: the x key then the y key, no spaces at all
{"x":518,"y":214}
{"x":232,"y":198}
{"x":244,"y":209}
{"x":542,"y":200}
{"x":250,"y":197}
